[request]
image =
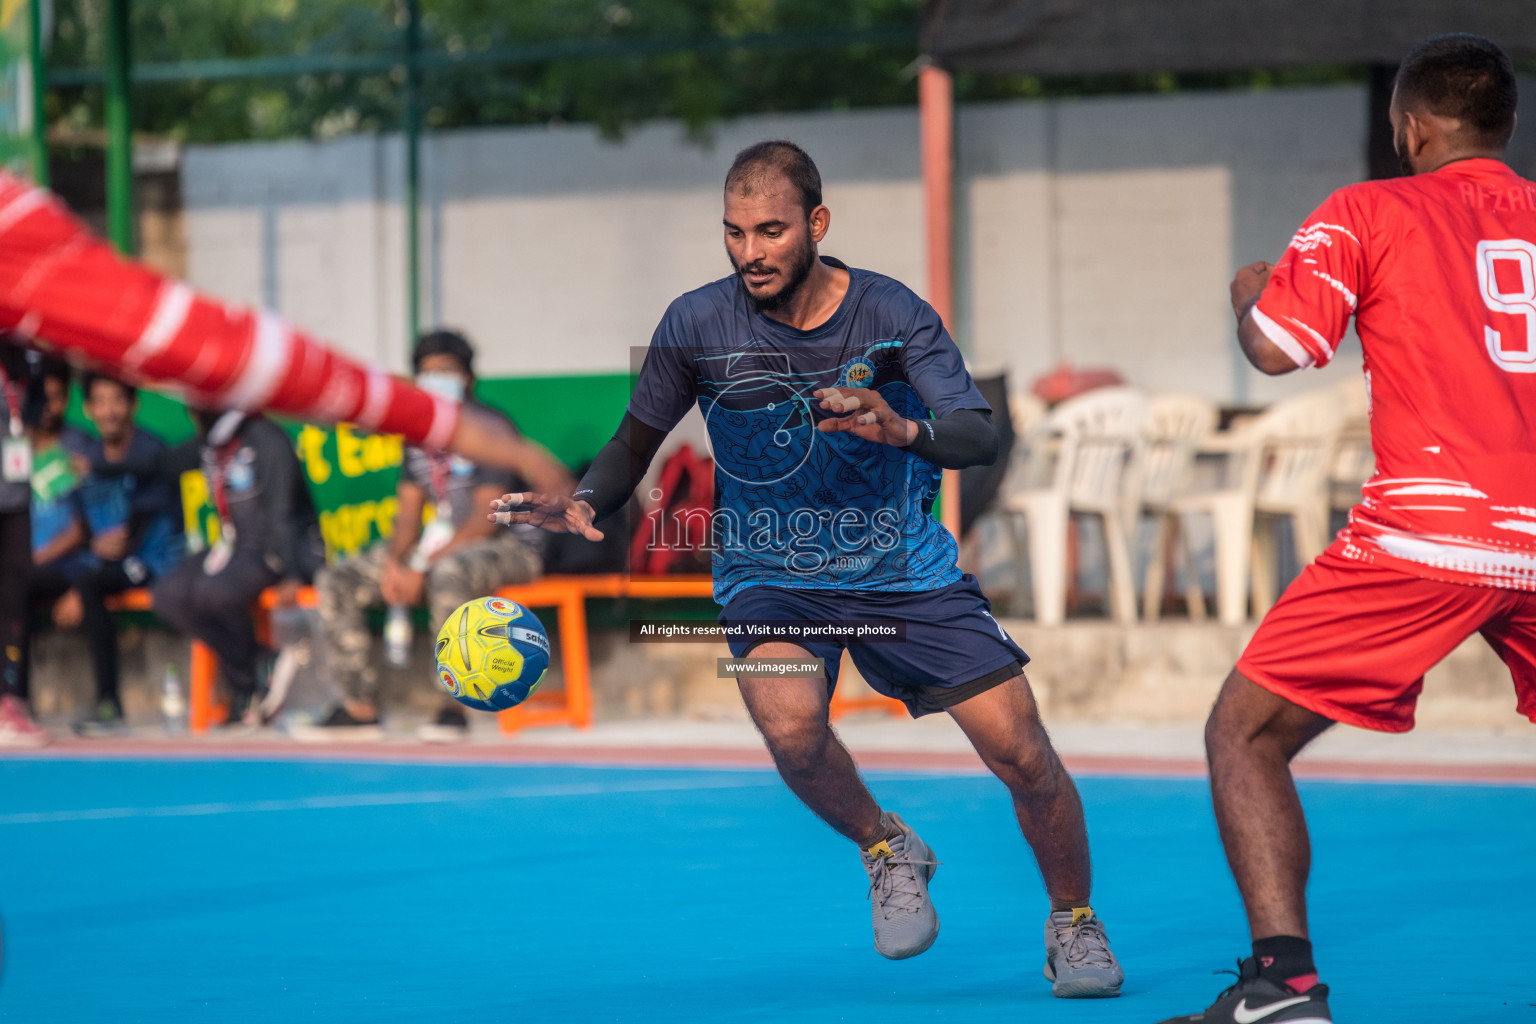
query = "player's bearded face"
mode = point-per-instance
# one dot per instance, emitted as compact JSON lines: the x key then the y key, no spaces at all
{"x":787,"y":274}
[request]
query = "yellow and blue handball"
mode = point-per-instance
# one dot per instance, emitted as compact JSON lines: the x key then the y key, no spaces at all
{"x":492,"y":654}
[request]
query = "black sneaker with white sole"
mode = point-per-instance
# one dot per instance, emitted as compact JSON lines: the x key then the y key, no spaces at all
{"x":1258,"y":1000}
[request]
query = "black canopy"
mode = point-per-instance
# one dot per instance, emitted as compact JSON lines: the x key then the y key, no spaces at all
{"x":1076,"y":37}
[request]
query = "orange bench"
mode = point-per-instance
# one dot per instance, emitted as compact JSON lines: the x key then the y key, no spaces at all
{"x":573,"y":706}
{"x":568,"y":595}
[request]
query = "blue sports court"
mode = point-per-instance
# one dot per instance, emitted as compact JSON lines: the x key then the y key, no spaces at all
{"x":230,"y":891}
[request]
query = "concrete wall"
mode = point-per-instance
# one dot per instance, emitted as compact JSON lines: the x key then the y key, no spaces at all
{"x":1100,"y":230}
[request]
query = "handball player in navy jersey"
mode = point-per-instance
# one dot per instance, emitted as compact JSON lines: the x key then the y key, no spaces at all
{"x":833,"y":399}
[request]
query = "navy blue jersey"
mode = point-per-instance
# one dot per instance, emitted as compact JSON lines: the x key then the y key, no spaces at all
{"x":795,"y":507}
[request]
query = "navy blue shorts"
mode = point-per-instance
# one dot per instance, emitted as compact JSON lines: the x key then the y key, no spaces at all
{"x":954,"y":648}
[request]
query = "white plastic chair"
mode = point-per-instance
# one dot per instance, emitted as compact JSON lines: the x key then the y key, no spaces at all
{"x":1278,"y":466}
{"x":991,"y":542}
{"x":1176,"y":425}
{"x":1027,"y":412}
{"x":1097,"y":437}
{"x":1033,"y":447}
{"x":1354,"y":461}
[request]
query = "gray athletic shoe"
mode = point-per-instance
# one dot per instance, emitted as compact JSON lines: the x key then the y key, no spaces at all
{"x":899,"y":869}
{"x":1078,"y":959}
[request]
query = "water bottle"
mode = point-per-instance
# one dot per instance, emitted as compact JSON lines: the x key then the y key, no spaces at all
{"x":173,"y":705}
{"x":397,"y":636}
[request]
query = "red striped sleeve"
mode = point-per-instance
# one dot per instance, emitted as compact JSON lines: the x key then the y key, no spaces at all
{"x":60,"y":284}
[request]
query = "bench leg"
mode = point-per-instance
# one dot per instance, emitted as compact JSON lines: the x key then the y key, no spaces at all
{"x":575,"y":663}
{"x":205,"y":670}
{"x":576,"y":660}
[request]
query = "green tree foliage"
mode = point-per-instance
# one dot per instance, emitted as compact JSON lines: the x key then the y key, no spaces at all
{"x":611,"y":91}
{"x":699,"y":87}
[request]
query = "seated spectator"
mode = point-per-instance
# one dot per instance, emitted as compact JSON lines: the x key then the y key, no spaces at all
{"x":269,"y":536}
{"x":58,"y":529}
{"x":22,"y":390}
{"x":134,"y":536}
{"x":458,"y":556}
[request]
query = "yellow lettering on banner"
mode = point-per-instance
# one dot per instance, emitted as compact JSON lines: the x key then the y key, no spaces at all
{"x":328,"y":533}
{"x":349,"y":451}
{"x":381,"y":451}
{"x":311,"y":448}
{"x":369,"y":453}
{"x":349,"y":529}
{"x":336,"y":526}
{"x":357,"y":527}
{"x":194,"y":495}
{"x":198,"y":519}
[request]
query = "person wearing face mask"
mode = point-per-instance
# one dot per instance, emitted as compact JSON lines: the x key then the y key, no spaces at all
{"x":442,"y":553}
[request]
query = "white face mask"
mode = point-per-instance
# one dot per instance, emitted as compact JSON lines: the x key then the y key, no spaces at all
{"x":445,"y":385}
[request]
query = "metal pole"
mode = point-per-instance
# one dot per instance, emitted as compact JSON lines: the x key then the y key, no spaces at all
{"x":119,"y":129}
{"x":413,"y":169}
{"x":39,"y":59}
{"x":936,"y":115}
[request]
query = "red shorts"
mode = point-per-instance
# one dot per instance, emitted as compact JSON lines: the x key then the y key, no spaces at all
{"x":1352,"y":641}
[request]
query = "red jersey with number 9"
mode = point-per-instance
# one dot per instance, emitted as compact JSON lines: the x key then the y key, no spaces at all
{"x":1439,"y":271}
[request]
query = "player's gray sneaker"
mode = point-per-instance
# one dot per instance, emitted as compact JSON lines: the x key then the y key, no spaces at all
{"x":903,"y":915}
{"x":1077,"y":956}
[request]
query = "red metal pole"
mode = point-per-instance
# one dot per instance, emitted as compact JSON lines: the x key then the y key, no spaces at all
{"x":936,"y":114}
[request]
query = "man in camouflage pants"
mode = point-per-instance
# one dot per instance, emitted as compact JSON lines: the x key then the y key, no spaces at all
{"x":459,"y":555}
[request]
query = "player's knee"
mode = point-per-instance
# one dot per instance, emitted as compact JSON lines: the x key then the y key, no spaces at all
{"x":1250,"y":721}
{"x":1028,"y":766}
{"x":797,"y":746}
{"x":1228,"y":727}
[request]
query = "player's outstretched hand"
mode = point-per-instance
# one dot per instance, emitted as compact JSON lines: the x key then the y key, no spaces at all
{"x":861,"y":411}
{"x":553,"y":512}
{"x":1247,"y":285}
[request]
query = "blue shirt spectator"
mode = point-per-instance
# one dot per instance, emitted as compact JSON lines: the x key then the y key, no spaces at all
{"x":146,"y":508}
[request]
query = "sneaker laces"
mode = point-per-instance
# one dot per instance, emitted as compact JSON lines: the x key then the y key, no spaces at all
{"x":1241,"y":978}
{"x":893,"y":881}
{"x":1085,"y":944}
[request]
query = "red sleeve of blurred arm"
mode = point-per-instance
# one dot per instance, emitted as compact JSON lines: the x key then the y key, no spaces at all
{"x":62,"y":285}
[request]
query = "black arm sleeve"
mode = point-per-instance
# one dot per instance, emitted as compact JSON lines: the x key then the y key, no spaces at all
{"x":619,"y":467}
{"x":964,"y":438}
